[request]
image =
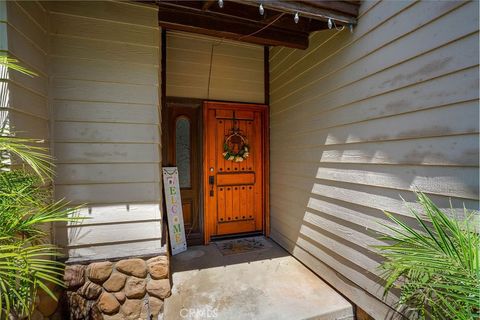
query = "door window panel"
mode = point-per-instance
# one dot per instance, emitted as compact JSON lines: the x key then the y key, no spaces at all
{"x":183,"y":151}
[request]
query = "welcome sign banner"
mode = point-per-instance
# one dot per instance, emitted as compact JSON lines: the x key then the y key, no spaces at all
{"x":174,"y":210}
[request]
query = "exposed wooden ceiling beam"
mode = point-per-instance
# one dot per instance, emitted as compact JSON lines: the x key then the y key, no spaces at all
{"x":305,"y":10}
{"x":340,"y":6}
{"x":208,"y":4}
{"x":245,"y":12}
{"x":191,"y":20}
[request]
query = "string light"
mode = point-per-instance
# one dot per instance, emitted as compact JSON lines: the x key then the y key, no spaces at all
{"x":261,"y":10}
{"x":296,"y":18}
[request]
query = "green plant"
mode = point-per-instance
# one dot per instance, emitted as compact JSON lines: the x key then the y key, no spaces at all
{"x":435,"y":266}
{"x":27,"y":259}
{"x":13,"y":64}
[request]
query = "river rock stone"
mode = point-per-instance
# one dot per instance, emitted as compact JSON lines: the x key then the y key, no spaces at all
{"x":156,"y":306}
{"x":120,"y":296}
{"x":74,"y":276}
{"x":135,"y":288}
{"x":100,"y":271}
{"x":115,"y":282}
{"x":132,"y":308}
{"x":117,"y":316}
{"x":108,"y":303}
{"x":158,"y":267}
{"x":144,"y":313}
{"x":90,"y":290}
{"x":95,"y":313}
{"x":133,"y":267}
{"x":77,"y":306}
{"x":159,"y":288}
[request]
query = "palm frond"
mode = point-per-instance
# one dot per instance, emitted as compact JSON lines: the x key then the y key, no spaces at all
{"x":436,"y":267}
{"x":14,"y":64}
{"x":34,"y":156}
{"x":27,"y":261}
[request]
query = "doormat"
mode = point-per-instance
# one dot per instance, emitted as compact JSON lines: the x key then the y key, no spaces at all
{"x":243,"y":245}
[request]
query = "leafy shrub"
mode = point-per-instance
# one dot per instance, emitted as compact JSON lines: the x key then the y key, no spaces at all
{"x":437,"y":267}
{"x":27,"y":259}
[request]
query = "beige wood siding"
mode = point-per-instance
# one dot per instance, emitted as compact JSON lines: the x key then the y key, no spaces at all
{"x":234,"y":69}
{"x":24,"y":99}
{"x":360,"y":120}
{"x":104,"y":83}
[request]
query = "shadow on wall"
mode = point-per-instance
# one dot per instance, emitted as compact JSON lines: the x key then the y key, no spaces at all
{"x":112,"y":231}
{"x":329,"y":204}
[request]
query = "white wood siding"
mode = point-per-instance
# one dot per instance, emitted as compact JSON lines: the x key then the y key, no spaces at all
{"x":236,"y":68}
{"x":360,"y":120}
{"x":104,"y":66}
{"x":24,"y":99}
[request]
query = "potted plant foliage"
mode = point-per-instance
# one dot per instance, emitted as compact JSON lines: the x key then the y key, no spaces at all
{"x":27,"y":258}
{"x":435,"y":264}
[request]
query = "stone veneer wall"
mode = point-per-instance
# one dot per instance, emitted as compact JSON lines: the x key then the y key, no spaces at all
{"x":127,"y":289}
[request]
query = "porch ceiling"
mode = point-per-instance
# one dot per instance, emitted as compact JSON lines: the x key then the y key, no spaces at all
{"x":241,"y":20}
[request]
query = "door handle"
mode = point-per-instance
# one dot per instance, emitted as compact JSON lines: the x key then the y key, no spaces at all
{"x":211,"y":182}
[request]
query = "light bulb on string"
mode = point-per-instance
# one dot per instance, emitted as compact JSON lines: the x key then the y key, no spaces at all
{"x":220,"y":3}
{"x":296,"y":18}
{"x":330,"y":24}
{"x":351,"y":27}
{"x":261,"y":10}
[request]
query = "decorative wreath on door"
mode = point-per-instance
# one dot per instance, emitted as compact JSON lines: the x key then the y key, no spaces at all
{"x":236,"y":147}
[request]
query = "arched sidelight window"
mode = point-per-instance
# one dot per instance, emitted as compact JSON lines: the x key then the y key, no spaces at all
{"x":183,"y":151}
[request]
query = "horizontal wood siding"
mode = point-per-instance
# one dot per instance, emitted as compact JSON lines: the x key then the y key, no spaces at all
{"x":3,"y":71}
{"x":359,"y":120}
{"x":214,"y":69}
{"x":24,"y":99}
{"x":104,"y":66}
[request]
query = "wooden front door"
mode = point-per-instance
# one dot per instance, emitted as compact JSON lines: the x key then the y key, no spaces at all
{"x":181,"y":137}
{"x":235,"y":190}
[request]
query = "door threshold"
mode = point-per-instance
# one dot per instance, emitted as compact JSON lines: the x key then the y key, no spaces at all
{"x":237,"y":235}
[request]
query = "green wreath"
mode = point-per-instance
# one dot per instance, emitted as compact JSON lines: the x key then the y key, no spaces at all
{"x":241,"y":155}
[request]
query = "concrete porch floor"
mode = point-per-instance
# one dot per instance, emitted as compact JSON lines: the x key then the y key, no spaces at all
{"x":267,"y":284}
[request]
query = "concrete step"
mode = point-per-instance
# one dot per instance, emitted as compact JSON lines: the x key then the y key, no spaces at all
{"x":265,"y":284}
